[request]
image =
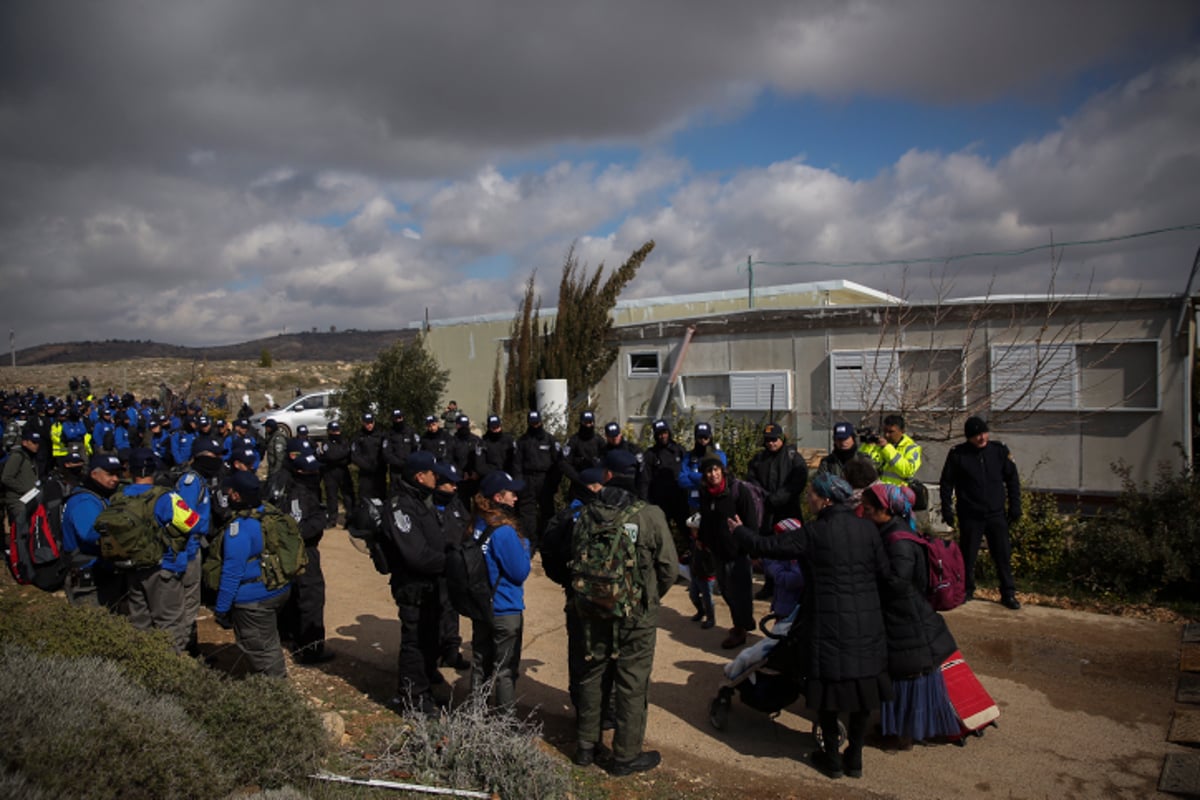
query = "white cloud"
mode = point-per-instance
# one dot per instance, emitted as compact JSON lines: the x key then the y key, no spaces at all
{"x":223,"y":181}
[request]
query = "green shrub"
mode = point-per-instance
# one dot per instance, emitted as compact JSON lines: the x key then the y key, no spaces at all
{"x":82,"y":726}
{"x":264,"y":358}
{"x":1040,"y":538}
{"x":259,"y":730}
{"x":471,"y":748}
{"x":1148,"y":546}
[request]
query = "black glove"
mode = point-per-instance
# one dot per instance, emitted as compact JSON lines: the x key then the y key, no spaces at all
{"x":1014,"y":517}
{"x":948,"y":518}
{"x":224,"y":620}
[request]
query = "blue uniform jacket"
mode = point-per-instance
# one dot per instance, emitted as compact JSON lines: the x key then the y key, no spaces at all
{"x":241,"y":570}
{"x":192,"y":487}
{"x":79,"y":525}
{"x":508,"y":560}
{"x":181,"y":446}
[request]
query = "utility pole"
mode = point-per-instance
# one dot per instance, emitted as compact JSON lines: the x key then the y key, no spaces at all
{"x":12,"y":346}
{"x":750,"y":270}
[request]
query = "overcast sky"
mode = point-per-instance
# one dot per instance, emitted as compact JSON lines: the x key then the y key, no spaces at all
{"x":211,"y":172}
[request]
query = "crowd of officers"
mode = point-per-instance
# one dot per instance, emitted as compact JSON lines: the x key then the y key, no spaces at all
{"x":429,"y":483}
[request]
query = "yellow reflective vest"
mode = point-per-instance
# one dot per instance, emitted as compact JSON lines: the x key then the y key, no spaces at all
{"x":897,"y":464}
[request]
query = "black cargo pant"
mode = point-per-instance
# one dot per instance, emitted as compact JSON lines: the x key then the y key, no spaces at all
{"x":993,"y":528}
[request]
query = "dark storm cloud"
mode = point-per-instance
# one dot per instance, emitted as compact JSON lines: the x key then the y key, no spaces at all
{"x":180,"y":171}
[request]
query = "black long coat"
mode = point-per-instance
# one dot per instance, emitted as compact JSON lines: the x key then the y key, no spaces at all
{"x":841,"y":612}
{"x":918,"y":639}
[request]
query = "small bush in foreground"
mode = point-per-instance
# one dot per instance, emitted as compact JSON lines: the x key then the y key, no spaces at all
{"x":258,"y":731}
{"x":81,"y":726}
{"x":470,"y":747}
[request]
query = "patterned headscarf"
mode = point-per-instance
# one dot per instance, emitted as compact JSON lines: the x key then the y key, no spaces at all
{"x":897,"y":500}
{"x":831,"y":487}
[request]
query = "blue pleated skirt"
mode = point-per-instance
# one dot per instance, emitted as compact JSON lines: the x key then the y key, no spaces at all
{"x":921,"y":709}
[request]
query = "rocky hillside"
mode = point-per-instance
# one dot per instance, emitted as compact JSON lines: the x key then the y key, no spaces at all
{"x":351,"y":345}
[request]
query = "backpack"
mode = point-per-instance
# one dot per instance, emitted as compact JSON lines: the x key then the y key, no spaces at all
{"x":12,"y":437}
{"x":170,"y":476}
{"x":283,"y":556}
{"x":468,"y":584}
{"x":130,"y":534}
{"x":276,"y":488}
{"x":757,"y":496}
{"x":947,"y":573}
{"x":920,"y":495}
{"x":605,"y":578}
{"x":35,"y":553}
{"x":366,"y":526}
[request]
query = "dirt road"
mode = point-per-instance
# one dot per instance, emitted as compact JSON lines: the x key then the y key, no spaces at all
{"x":1085,"y":699}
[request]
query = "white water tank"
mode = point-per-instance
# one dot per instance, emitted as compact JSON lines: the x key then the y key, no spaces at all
{"x":551,"y":394}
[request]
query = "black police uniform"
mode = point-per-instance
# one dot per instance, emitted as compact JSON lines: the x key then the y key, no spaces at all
{"x":415,"y":546}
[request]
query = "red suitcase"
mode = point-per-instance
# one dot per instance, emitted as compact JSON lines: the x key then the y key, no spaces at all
{"x":975,"y":707}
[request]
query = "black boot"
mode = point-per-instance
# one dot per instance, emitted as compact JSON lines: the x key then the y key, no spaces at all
{"x":856,"y":732}
{"x":827,"y":759}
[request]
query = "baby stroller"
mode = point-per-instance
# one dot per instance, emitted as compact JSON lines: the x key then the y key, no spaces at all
{"x":765,"y":675}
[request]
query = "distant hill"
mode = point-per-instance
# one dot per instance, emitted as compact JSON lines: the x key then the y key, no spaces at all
{"x":351,"y":345}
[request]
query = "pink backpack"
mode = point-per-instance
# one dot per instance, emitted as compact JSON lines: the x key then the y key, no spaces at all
{"x":947,"y":574}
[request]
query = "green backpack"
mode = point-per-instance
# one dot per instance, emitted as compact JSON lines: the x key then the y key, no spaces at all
{"x":606,"y":581}
{"x":283,"y":555}
{"x":131,"y":536}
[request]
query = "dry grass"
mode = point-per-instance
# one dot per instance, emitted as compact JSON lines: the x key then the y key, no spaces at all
{"x":192,"y":378}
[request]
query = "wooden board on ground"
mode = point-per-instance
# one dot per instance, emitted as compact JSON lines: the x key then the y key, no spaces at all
{"x":1189,"y":658}
{"x":1181,"y":774}
{"x":1185,"y":726}
{"x":1189,"y":688}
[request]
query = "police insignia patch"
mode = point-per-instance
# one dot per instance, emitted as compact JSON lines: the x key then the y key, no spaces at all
{"x":402,"y":520}
{"x":297,"y":514}
{"x":631,"y":530}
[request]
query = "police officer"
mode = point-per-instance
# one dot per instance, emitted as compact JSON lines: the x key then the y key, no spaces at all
{"x":415,"y":546}
{"x":464,"y":445}
{"x":90,"y":579}
{"x":456,"y":521}
{"x":582,"y":451}
{"x":538,"y":462}
{"x":980,"y":479}
{"x":302,"y":619}
{"x":614,"y":439}
{"x":156,"y":594}
{"x":366,"y":453}
{"x":401,"y":440}
{"x":845,"y":450}
{"x":276,"y":447}
{"x":435,"y":440}
{"x":244,"y":604}
{"x":660,"y":466}
{"x":629,"y":641}
{"x":782,"y":474}
{"x":21,"y":477}
{"x":334,"y":456}
{"x":195,"y":487}
{"x":496,"y":450}
{"x":897,"y":457}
